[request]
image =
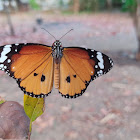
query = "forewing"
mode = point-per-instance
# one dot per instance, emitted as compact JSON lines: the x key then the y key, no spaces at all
{"x":31,"y":65}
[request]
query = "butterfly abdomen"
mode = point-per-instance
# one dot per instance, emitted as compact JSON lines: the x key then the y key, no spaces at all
{"x":56,"y":74}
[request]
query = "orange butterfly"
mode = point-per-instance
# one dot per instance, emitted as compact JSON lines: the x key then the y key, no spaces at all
{"x":36,"y":67}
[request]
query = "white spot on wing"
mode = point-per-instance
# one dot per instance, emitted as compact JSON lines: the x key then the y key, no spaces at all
{"x":3,"y":58}
{"x":6,"y":50}
{"x":9,"y":60}
{"x":101,"y":72}
{"x":100,"y":58}
{"x":101,"y":65}
{"x":1,"y":65}
{"x":5,"y":67}
{"x":96,"y":66}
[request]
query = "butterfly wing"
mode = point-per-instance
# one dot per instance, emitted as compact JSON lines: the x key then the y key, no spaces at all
{"x":79,"y":67}
{"x":31,"y":65}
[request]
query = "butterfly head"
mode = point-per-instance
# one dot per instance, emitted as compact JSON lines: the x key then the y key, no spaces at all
{"x":57,"y":49}
{"x":56,"y":44}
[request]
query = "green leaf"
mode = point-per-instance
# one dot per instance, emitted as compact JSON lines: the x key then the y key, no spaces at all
{"x":2,"y":100}
{"x":34,"y":107}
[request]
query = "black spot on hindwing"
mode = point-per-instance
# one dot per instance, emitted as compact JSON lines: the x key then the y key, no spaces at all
{"x":35,"y":74}
{"x":68,"y":79}
{"x":43,"y":78}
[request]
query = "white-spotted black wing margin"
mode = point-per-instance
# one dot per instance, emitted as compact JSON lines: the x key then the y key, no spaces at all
{"x":103,"y":63}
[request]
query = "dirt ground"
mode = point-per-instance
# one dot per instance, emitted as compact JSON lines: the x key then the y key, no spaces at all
{"x":110,"y":107}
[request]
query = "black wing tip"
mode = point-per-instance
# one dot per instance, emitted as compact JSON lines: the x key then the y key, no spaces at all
{"x":97,"y":57}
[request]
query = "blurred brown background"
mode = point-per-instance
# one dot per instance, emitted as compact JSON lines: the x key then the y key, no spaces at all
{"x":110,"y":107}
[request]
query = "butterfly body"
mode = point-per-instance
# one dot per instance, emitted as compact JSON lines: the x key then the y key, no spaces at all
{"x":36,"y":67}
{"x":57,"y":53}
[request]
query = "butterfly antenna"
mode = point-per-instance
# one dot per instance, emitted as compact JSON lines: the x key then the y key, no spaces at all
{"x":49,"y":33}
{"x":66,"y":33}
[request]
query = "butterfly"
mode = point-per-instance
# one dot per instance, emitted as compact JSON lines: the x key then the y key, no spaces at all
{"x":36,"y":67}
